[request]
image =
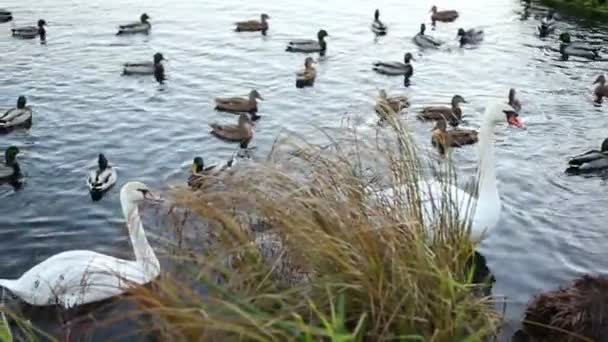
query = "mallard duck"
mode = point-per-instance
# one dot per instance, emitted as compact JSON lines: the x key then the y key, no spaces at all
{"x":253,"y":25}
{"x":31,"y":32}
{"x":21,"y":116}
{"x":567,"y":48}
{"x":547,"y":24}
{"x":240,"y":104}
{"x":452,"y":114}
{"x":601,"y":90}
{"x":103,"y":178}
{"x":442,"y":139}
{"x":470,"y":37}
{"x":155,"y":68}
{"x":200,"y":170}
{"x":306,"y":77}
{"x":5,"y":16}
{"x":574,"y":313}
{"x":242,"y":132}
{"x":396,"y":68}
{"x":445,"y":15}
{"x":395,"y":104}
{"x":309,"y":46}
{"x":425,"y":41}
{"x":513,"y":101}
{"x":590,"y":161}
{"x":142,"y":26}
{"x":10,"y":170}
{"x":378,"y":27}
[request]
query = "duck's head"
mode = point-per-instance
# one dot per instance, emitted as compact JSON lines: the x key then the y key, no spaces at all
{"x":11,"y":154}
{"x":440,"y":125}
{"x":565,"y":37}
{"x":102,"y":162}
{"x":601,"y":80}
{"x":499,"y":111}
{"x":408,"y":57}
{"x":158,"y":57}
{"x":377,"y":14}
{"x":144,"y":18}
{"x":422,"y":28}
{"x":457,"y":99}
{"x":308,"y":62}
{"x":41,"y":23}
{"x":550,"y":14}
{"x":21,"y":102}
{"x":605,"y":145}
{"x":264,"y":17}
{"x":461,"y":32}
{"x":137,"y":192}
{"x":198,"y":164}
{"x":434,"y":9}
{"x":255,"y":95}
{"x":512,"y":94}
{"x":322,"y":34}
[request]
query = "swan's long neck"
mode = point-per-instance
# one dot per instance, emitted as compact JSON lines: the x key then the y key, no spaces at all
{"x":488,"y":192}
{"x":144,"y":254}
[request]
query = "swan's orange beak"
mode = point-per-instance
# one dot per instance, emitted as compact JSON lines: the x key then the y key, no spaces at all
{"x":516,"y":121}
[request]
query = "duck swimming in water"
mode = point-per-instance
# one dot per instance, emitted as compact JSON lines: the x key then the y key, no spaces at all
{"x":443,"y":139}
{"x":451,"y":114}
{"x":31,"y":32}
{"x":155,"y":68}
{"x":19,"y":117}
{"x":547,"y":24}
{"x":378,"y":27}
{"x":578,"y":49}
{"x":404,"y":68}
{"x":308,"y":45}
{"x":241,"y":132}
{"x":590,"y":161}
{"x":601,"y":90}
{"x":103,"y":178}
{"x":470,"y":37}
{"x":5,"y":16}
{"x":513,"y":101}
{"x":142,"y":26}
{"x":424,"y":40}
{"x":200,"y":170}
{"x":240,"y":104}
{"x":444,"y":16}
{"x":254,"y":25}
{"x":10,"y":169}
{"x":387,"y":106}
{"x":306,"y":77}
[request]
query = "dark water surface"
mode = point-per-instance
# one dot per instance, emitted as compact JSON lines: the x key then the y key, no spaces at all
{"x":552,"y":227}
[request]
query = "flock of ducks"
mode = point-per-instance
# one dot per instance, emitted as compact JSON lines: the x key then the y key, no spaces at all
{"x":66,"y":270}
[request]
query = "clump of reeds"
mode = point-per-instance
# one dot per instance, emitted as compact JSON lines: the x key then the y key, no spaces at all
{"x":303,"y":247}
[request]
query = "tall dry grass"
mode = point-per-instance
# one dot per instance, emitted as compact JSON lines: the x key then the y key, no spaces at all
{"x":299,"y":248}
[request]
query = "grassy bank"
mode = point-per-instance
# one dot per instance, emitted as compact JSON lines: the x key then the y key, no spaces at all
{"x":587,"y":8}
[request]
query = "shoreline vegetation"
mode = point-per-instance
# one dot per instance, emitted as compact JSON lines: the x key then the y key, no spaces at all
{"x":595,"y":9}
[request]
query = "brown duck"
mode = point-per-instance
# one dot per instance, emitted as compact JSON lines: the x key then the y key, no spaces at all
{"x":239,"y":104}
{"x":513,"y":101}
{"x":254,"y":25}
{"x":306,"y":77}
{"x":386,"y":106}
{"x":444,"y":16}
{"x":241,"y":132}
{"x":601,"y":90}
{"x":443,"y":139}
{"x":452,"y":114}
{"x":577,"y":310}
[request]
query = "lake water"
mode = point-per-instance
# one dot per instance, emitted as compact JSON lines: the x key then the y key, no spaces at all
{"x":552,"y":227}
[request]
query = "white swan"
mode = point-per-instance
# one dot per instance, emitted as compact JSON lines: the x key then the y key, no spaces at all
{"x":80,"y":277}
{"x":484,"y":209}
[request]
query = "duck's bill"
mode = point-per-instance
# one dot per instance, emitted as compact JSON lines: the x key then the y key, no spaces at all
{"x":153,"y":196}
{"x":516,"y":121}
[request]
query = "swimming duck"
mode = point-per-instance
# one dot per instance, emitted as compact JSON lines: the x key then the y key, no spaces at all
{"x":10,"y":169}
{"x":240,"y":104}
{"x":513,"y":101}
{"x":21,"y":116}
{"x":442,"y":139}
{"x":103,"y":178}
{"x":470,"y":37}
{"x":395,"y":104}
{"x":445,"y":16}
{"x":143,"y":26}
{"x":31,"y":32}
{"x":306,"y":77}
{"x":601,"y":90}
{"x":452,"y":114}
{"x":155,"y":68}
{"x":253,"y":25}
{"x":590,"y":161}
{"x":425,"y":41}
{"x":309,"y":46}
{"x":574,"y":313}
{"x":242,"y":132}
{"x":200,"y":170}
{"x":547,"y":24}
{"x":567,"y":48}
{"x":5,"y":16}
{"x":377,"y":26}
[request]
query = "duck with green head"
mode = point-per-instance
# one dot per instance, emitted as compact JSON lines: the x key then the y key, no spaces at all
{"x":470,"y":36}
{"x":155,"y":68}
{"x":142,"y":26}
{"x":452,"y":114}
{"x":104,"y":177}
{"x":5,"y":16}
{"x":425,"y":41}
{"x":513,"y":101}
{"x":199,"y":170}
{"x":577,"y":49}
{"x":31,"y":32}
{"x":378,"y":27}
{"x":10,"y":169}
{"x":18,"y":117}
{"x":308,"y":45}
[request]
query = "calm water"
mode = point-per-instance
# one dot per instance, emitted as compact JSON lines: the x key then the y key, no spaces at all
{"x":551,"y":228}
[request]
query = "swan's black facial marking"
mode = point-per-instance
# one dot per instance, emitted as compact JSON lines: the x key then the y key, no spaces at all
{"x":510,"y":114}
{"x":144,"y":192}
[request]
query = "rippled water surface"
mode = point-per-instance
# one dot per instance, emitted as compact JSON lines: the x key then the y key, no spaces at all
{"x":552,"y":227}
